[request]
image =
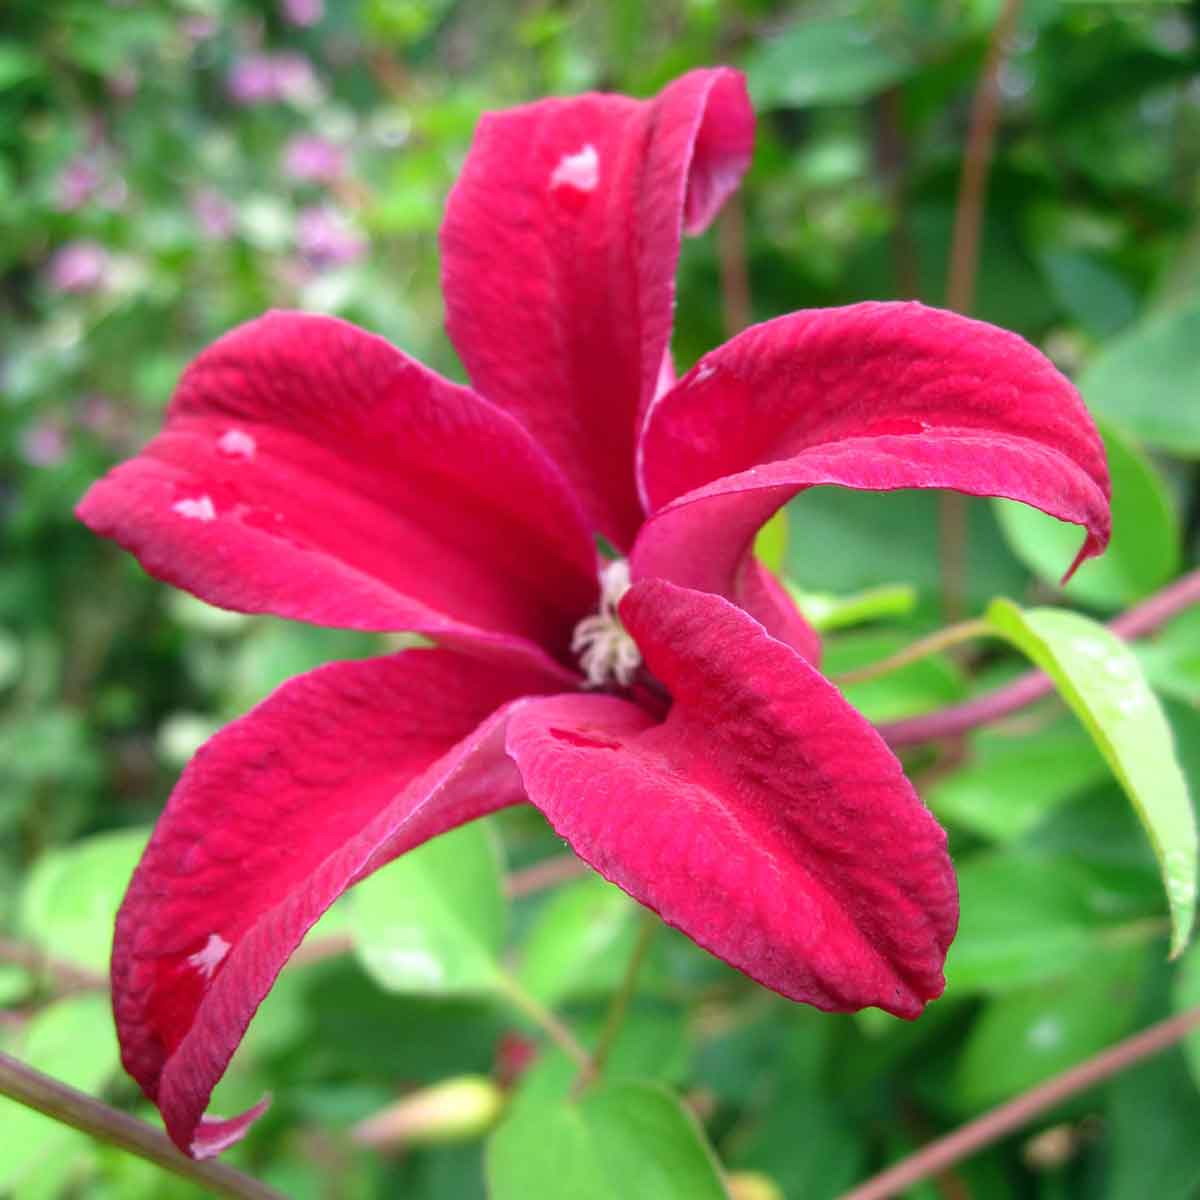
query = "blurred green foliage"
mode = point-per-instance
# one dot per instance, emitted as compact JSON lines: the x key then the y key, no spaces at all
{"x":170,"y":168}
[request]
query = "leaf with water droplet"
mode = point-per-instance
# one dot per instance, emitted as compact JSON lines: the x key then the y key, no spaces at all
{"x":1098,"y":675}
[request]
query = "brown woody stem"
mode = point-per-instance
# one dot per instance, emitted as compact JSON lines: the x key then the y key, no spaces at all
{"x":960,"y":281}
{"x":97,"y":1119}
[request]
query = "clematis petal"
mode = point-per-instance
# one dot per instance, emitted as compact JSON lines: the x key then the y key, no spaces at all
{"x":333,"y":775}
{"x":758,"y":592}
{"x":558,"y":263}
{"x":877,"y":396}
{"x":764,"y":817}
{"x":312,"y":470}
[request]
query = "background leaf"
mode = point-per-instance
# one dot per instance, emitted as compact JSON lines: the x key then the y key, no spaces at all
{"x":1099,"y":677}
{"x":1143,"y":553}
{"x":433,"y":921}
{"x":624,"y":1141}
{"x":1147,"y":380}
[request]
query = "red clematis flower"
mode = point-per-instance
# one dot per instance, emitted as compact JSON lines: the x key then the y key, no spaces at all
{"x":663,"y":710}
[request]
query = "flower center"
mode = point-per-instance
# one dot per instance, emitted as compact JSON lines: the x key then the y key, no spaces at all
{"x":606,"y":652}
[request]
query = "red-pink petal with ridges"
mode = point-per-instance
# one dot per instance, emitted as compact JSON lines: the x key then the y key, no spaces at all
{"x":876,"y":396}
{"x":559,"y":251}
{"x":312,"y":470}
{"x":764,"y":817}
{"x":334,"y":774}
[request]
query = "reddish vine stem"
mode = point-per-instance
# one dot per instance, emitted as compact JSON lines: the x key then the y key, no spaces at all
{"x":959,"y":718}
{"x":83,"y":1112}
{"x":735,"y":275}
{"x":993,"y":1125}
{"x":544,"y":874}
{"x":963,"y":268}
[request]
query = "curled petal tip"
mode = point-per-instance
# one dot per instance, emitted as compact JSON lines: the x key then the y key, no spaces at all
{"x":215,"y":1134}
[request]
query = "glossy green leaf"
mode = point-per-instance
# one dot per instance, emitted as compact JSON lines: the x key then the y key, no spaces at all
{"x":73,"y":1041}
{"x":1026,"y":918}
{"x":622,"y":1141}
{"x":1147,"y":381}
{"x":72,"y":895}
{"x":1011,"y":781}
{"x":1143,"y":553}
{"x":1099,"y":677}
{"x":1023,"y":1038}
{"x":838,"y":60}
{"x":433,"y":921}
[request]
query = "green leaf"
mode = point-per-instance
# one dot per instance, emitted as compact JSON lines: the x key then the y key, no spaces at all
{"x":1185,"y":995}
{"x":73,"y":1041}
{"x":17,"y":64}
{"x":1092,"y":292}
{"x":770,"y":545}
{"x":826,"y":611}
{"x":1099,"y":677}
{"x":839,"y":60}
{"x":1143,"y":553}
{"x":71,"y":896}
{"x":623,"y":1141}
{"x":1026,"y":918}
{"x":1153,"y":1114}
{"x":1171,"y":659}
{"x":433,"y":921}
{"x":580,"y":941}
{"x":1147,"y":380}
{"x":1023,"y":1038}
{"x":1011,"y":781}
{"x":841,"y":540}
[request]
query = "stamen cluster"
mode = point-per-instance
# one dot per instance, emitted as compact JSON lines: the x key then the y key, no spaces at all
{"x":606,"y":651}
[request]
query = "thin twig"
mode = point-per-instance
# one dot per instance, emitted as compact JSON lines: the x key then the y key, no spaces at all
{"x":961,"y":274}
{"x":891,"y":160}
{"x":959,"y":718}
{"x":943,"y":639}
{"x":554,"y":1027}
{"x":594,"y":1067}
{"x":544,"y":874}
{"x":735,"y":275}
{"x":977,"y":158}
{"x":67,"y":975}
{"x":97,"y":1119}
{"x":994,"y":1125}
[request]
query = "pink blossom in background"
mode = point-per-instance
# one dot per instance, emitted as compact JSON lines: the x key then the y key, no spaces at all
{"x":215,"y":214}
{"x":326,"y":239}
{"x":664,"y":710}
{"x":44,"y":444}
{"x":302,"y":13}
{"x":295,"y":79}
{"x":311,"y":159}
{"x":266,"y":78}
{"x":77,"y":183}
{"x":79,"y":267}
{"x":252,"y":80}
